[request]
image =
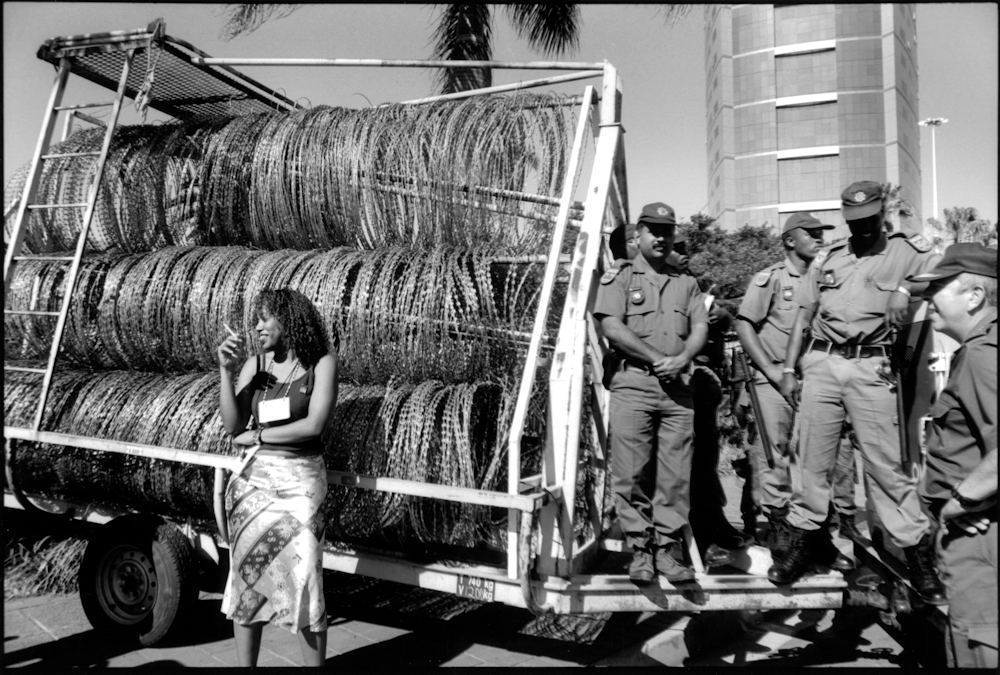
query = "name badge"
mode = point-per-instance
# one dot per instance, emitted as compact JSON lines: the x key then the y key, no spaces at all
{"x":273,"y":411}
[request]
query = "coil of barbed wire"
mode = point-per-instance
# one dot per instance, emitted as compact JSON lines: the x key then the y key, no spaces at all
{"x":451,"y":173}
{"x":444,"y":314}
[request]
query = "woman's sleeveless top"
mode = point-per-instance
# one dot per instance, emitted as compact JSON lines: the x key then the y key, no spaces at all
{"x":299,"y":391}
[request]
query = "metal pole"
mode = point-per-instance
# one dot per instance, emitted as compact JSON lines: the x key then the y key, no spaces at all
{"x":396,"y":63}
{"x":934,"y":168}
{"x":933,"y":123}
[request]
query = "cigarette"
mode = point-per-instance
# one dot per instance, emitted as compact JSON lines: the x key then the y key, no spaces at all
{"x":231,"y":331}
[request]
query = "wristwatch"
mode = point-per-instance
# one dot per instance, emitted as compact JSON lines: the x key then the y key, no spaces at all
{"x":256,"y":436}
{"x":964,"y":501}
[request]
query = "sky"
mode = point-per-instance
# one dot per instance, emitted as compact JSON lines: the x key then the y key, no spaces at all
{"x":661,"y":67}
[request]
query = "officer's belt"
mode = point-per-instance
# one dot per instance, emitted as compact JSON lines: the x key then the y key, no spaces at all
{"x":849,"y":351}
{"x":625,"y":364}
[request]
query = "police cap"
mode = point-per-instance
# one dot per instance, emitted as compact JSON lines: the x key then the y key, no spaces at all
{"x":964,"y":257}
{"x":657,"y":214}
{"x":861,"y":199}
{"x":804,"y":220}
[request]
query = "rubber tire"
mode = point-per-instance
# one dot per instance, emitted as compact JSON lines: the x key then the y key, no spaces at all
{"x":138,"y":576}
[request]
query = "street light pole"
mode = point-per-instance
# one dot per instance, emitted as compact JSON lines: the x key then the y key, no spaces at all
{"x":933,"y":123}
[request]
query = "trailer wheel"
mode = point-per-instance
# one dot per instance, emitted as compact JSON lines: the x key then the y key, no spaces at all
{"x":137,"y":577}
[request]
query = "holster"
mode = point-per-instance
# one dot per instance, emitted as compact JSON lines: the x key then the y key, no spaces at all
{"x":611,"y":363}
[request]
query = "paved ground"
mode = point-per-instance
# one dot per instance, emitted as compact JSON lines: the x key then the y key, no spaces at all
{"x":374,"y":626}
{"x":378,"y":625}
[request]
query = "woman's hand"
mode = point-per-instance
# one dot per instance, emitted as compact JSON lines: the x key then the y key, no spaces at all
{"x":231,"y":351}
{"x":245,"y":438}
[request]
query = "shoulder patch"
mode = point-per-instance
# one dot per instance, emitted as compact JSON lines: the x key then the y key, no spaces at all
{"x":613,"y":271}
{"x":762,"y":277}
{"x":919,"y":242}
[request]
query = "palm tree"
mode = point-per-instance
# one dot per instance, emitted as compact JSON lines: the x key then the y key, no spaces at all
{"x":896,"y":209}
{"x":465,"y":33}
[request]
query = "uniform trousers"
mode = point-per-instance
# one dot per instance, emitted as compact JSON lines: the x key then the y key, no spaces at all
{"x":833,"y":387}
{"x":706,"y":494}
{"x":968,"y":567}
{"x":651,"y":434}
{"x":843,"y":478}
{"x":772,"y":488}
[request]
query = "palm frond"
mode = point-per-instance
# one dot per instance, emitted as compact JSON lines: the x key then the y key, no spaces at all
{"x":243,"y":18}
{"x":464,"y":33}
{"x":550,"y":28}
{"x":672,"y":14}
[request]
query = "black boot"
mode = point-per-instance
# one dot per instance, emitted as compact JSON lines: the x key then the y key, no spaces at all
{"x":848,"y":528}
{"x":797,"y":559}
{"x":725,"y":535}
{"x":709,"y":526}
{"x":713,"y":556}
{"x":827,"y":552}
{"x":923,"y":574}
{"x":750,"y":524}
{"x":777,"y":533}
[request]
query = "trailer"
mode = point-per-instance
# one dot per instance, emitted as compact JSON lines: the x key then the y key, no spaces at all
{"x":560,"y":554}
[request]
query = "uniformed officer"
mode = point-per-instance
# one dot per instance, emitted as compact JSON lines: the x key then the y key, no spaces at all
{"x":852,"y":297}
{"x":960,"y":481}
{"x":622,"y":242}
{"x":763,"y":324}
{"x":715,"y":536}
{"x":652,"y":316}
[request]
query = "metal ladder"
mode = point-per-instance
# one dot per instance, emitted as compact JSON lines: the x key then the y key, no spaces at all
{"x":27,"y":203}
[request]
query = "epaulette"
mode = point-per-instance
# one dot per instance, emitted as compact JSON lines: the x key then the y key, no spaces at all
{"x":917,"y":241}
{"x":765,"y":274}
{"x":827,"y":250}
{"x":616,"y":267}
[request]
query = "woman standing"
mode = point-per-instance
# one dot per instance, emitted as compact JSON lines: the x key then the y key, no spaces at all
{"x":273,"y":505}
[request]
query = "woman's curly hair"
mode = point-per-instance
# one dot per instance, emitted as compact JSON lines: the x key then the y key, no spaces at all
{"x":298,"y":316}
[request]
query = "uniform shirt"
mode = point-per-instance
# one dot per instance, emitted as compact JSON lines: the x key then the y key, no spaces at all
{"x":965,"y":415}
{"x":770,"y":298}
{"x":659,"y":308}
{"x":850,"y":295}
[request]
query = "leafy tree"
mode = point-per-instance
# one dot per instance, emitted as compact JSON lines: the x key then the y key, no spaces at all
{"x":728,"y":260}
{"x":961,"y":224}
{"x":464,"y":32}
{"x":896,"y":210}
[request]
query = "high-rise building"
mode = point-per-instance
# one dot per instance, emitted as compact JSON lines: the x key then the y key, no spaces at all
{"x":803,"y":100}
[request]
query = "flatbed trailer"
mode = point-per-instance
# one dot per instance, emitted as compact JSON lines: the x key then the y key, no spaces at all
{"x":547,"y":569}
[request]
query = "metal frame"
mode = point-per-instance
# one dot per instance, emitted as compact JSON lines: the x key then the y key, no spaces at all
{"x":553,"y":581}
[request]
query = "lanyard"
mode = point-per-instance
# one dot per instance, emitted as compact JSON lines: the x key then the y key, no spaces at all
{"x":288,"y":382}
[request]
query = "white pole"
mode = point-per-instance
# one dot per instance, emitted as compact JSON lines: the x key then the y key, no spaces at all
{"x":933,"y":123}
{"x":934,"y":168}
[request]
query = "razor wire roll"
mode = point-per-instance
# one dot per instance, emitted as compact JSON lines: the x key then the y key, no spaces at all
{"x":399,"y":223}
